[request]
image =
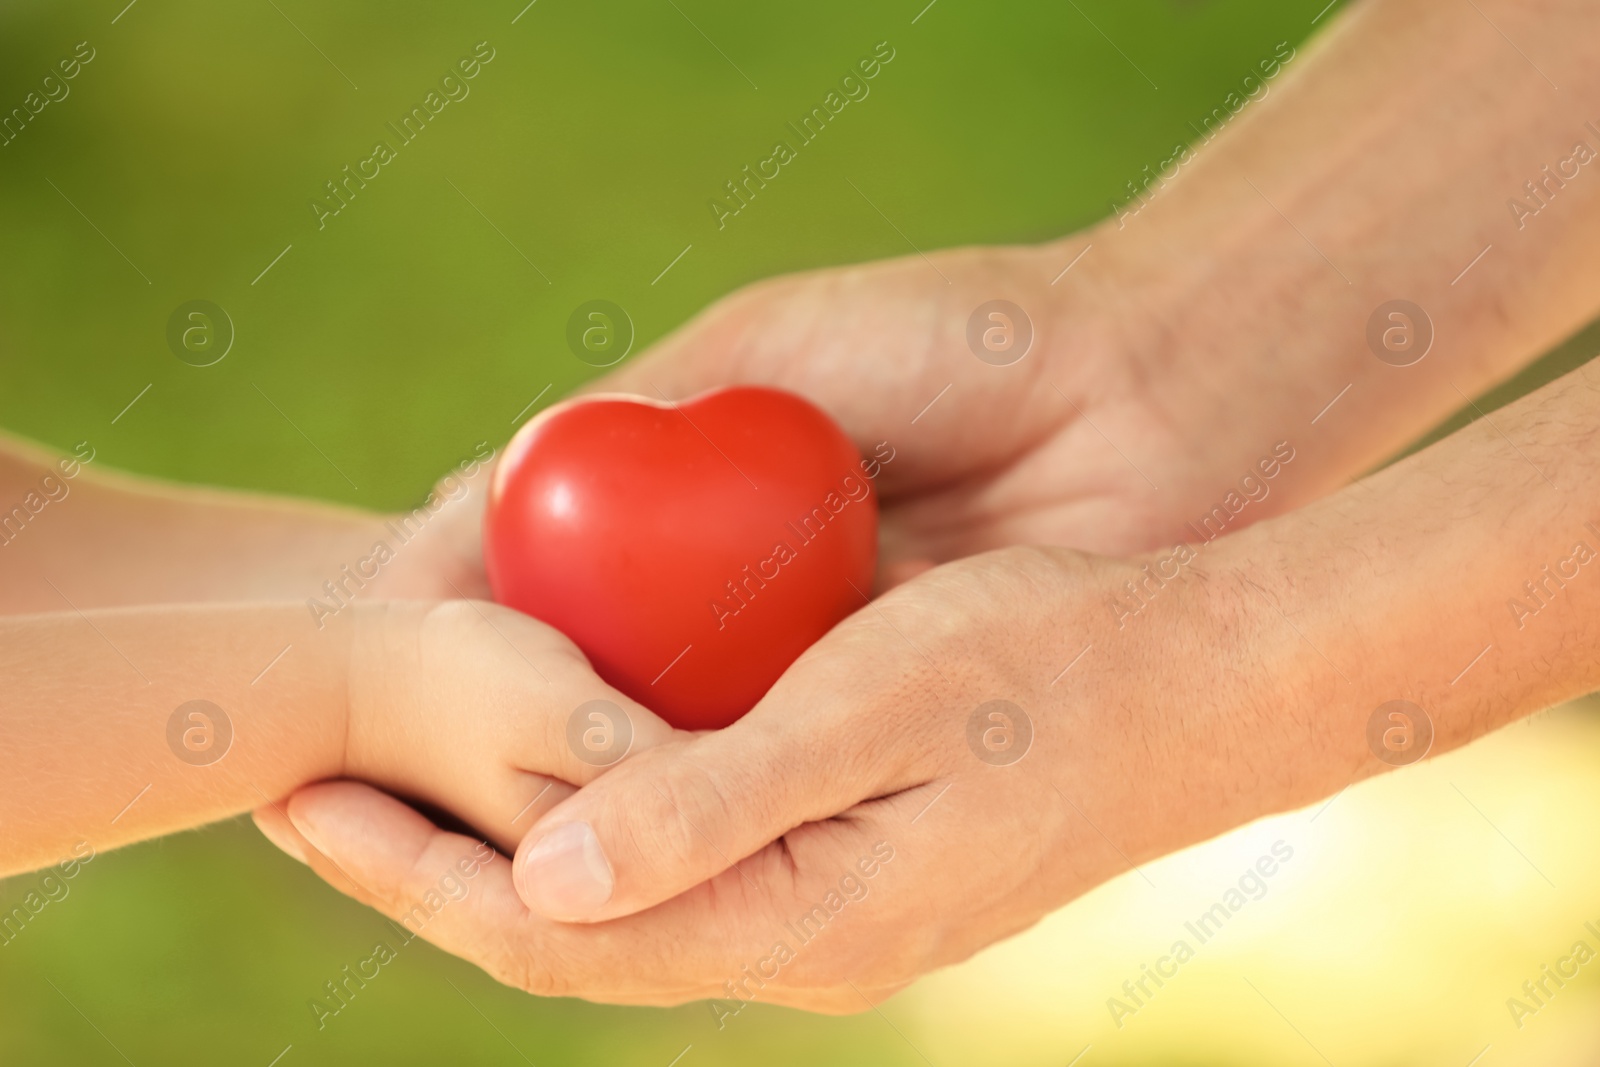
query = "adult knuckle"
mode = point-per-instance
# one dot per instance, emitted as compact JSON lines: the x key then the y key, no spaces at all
{"x":688,"y":798}
{"x":512,"y":965}
{"x":534,"y":957}
{"x":451,"y":615}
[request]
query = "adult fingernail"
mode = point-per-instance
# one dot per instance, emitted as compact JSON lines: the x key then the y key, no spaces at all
{"x":283,"y":837}
{"x":315,"y":835}
{"x":566,"y":875}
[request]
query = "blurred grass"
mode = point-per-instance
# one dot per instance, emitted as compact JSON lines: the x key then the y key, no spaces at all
{"x":183,"y":162}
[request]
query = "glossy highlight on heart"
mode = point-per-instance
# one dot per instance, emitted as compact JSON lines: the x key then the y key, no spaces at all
{"x":692,"y":550}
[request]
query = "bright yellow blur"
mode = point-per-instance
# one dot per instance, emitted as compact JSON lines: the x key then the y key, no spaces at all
{"x":1414,"y":907}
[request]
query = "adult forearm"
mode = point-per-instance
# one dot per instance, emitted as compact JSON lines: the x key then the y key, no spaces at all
{"x":1464,"y":580}
{"x":1359,"y":176}
{"x":122,"y":725}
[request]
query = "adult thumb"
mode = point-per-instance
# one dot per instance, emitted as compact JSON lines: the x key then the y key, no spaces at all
{"x":675,"y":816}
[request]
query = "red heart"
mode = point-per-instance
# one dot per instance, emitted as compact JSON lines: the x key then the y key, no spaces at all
{"x":692,"y":550}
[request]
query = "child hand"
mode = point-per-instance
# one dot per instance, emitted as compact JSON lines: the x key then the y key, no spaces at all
{"x":477,"y":711}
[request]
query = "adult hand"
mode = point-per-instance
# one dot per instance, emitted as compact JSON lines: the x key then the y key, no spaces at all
{"x":876,"y":790}
{"x":1044,"y":444}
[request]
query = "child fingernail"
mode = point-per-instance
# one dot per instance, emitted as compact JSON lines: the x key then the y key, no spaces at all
{"x":566,"y":875}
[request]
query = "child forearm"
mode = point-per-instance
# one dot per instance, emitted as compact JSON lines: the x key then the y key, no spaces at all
{"x":73,"y":534}
{"x":125,"y":724}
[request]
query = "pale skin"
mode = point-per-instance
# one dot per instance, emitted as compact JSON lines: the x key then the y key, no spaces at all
{"x":1168,"y":361}
{"x":123,"y":600}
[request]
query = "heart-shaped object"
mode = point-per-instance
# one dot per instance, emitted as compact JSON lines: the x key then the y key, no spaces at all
{"x":692,"y":550}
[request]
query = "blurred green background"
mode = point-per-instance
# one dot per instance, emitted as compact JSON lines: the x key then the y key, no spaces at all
{"x":432,"y":311}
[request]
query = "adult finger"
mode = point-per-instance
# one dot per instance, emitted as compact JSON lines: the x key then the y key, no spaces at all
{"x":679,"y":814}
{"x":716,"y":941}
{"x":449,"y":889}
{"x":273,"y":822}
{"x":457,"y":894}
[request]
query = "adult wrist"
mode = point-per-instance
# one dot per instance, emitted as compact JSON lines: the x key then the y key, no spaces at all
{"x":1245,"y":649}
{"x":1157,"y":361}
